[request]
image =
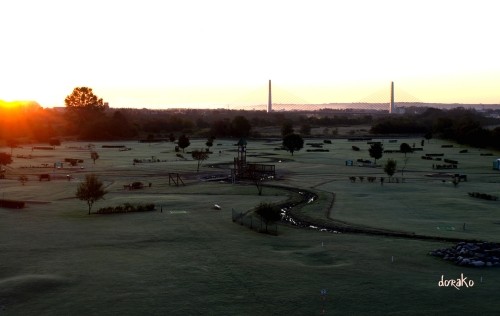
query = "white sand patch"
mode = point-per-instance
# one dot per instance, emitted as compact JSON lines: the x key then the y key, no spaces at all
{"x":178,"y":212}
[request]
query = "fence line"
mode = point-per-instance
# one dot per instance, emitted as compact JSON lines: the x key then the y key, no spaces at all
{"x":248,"y":220}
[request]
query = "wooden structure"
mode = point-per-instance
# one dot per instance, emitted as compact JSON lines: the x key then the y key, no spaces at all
{"x":240,"y":161}
{"x":175,"y":179}
{"x":252,"y":171}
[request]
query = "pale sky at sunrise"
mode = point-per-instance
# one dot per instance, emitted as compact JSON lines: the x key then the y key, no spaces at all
{"x":153,"y":53}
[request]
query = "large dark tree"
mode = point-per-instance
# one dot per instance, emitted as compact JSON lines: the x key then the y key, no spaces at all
{"x":390,"y":167}
{"x":94,"y":156}
{"x":405,"y":148}
{"x":376,"y":150}
{"x":184,"y":142}
{"x":84,"y":98}
{"x":90,"y":190}
{"x":84,"y":107}
{"x":200,"y":156}
{"x":268,"y":213}
{"x":293,"y":142}
{"x":210,"y":142}
{"x":5,"y":159}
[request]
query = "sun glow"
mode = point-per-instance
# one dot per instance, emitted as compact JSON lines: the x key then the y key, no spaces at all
{"x":10,"y":105}
{"x":15,"y":105}
{"x":188,"y":52}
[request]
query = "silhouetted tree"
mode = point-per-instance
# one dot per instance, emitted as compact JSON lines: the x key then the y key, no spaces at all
{"x":405,"y":148}
{"x":84,"y":98}
{"x":210,"y":142}
{"x":90,"y":190}
{"x":83,"y":107}
{"x":268,"y":213}
{"x":200,"y":156}
{"x":390,"y":167}
{"x":5,"y":159}
{"x":293,"y":142}
{"x":184,"y":142}
{"x":376,"y":151}
{"x":94,"y":156}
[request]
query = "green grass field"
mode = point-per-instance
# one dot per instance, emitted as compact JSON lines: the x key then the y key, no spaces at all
{"x":190,"y":259}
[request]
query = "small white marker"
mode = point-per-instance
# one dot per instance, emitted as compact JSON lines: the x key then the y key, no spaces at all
{"x":322,"y":244}
{"x":392,"y":258}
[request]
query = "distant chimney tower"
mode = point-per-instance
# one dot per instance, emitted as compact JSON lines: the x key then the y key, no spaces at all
{"x":392,"y":107}
{"x":269,"y":100}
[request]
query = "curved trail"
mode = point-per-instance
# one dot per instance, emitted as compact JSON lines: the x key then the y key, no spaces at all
{"x":294,"y":217}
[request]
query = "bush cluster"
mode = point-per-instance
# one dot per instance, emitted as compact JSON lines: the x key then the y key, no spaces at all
{"x":483,"y":196}
{"x":11,"y":203}
{"x":126,"y":208}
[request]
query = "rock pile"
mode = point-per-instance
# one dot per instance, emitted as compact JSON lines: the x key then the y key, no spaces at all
{"x":480,"y":254}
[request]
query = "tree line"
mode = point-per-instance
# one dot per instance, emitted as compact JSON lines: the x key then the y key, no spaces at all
{"x":465,"y":126}
{"x":86,"y":117}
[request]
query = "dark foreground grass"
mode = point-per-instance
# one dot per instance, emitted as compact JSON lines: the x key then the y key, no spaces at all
{"x":193,"y":260}
{"x":200,"y":263}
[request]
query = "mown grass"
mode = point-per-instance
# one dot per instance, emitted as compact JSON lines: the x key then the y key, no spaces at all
{"x":191,"y":259}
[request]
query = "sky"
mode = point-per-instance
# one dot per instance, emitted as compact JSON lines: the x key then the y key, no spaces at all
{"x":163,"y":53}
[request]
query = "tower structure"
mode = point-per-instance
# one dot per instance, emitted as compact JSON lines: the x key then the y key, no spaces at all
{"x":269,"y":100}
{"x":392,"y":108}
{"x":240,"y":162}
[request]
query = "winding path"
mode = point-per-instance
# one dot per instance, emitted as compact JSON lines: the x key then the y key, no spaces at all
{"x":293,"y":216}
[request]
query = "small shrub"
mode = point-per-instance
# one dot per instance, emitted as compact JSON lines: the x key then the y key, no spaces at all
{"x":11,"y":203}
{"x":483,"y":196}
{"x":126,"y":208}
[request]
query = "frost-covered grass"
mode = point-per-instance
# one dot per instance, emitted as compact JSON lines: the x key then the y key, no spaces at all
{"x":190,"y":259}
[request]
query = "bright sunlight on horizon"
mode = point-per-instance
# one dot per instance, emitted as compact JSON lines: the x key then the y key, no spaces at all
{"x":160,"y":54}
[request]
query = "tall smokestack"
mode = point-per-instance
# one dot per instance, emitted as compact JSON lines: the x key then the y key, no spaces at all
{"x":269,"y":100}
{"x":391,"y":109}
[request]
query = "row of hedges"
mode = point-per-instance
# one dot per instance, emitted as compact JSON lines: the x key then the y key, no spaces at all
{"x":483,"y":196}
{"x":12,"y":203}
{"x":126,"y":208}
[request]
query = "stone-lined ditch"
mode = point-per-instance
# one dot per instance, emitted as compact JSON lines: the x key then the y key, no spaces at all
{"x":473,"y":253}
